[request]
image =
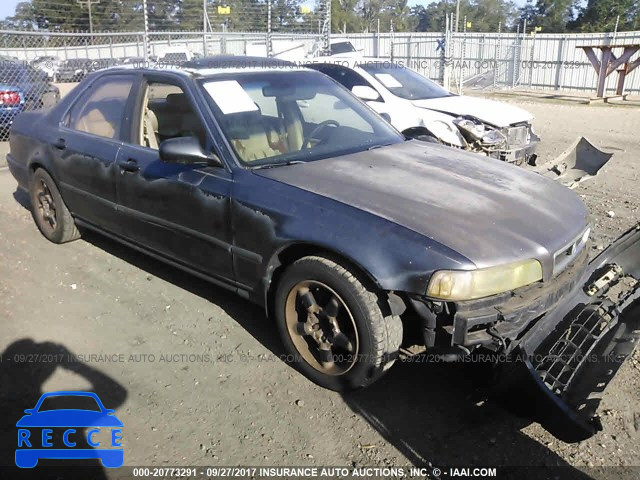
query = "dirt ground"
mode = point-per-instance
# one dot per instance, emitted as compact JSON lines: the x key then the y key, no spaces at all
{"x":193,"y":371}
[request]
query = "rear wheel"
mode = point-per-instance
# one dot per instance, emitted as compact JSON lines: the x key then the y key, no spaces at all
{"x":49,"y":210}
{"x":332,"y":326}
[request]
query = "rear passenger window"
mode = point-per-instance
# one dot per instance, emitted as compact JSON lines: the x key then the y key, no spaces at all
{"x":101,"y":110}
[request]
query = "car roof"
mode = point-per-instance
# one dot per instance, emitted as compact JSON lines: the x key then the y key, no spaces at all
{"x":216,"y":65}
{"x":350,"y":61}
{"x":69,"y":393}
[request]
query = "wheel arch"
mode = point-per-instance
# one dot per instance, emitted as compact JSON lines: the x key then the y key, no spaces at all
{"x":291,"y":252}
{"x":414,"y":132}
{"x":40,"y":160}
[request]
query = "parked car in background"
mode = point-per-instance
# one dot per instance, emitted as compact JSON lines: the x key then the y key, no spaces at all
{"x":175,"y":56}
{"x":338,"y":48}
{"x":22,"y":87}
{"x":415,"y":104}
{"x":104,"y":63}
{"x":276,"y":183}
{"x":48,"y":64}
{"x":74,"y":70}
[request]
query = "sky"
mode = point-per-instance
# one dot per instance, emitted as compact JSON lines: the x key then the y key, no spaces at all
{"x":8,"y":7}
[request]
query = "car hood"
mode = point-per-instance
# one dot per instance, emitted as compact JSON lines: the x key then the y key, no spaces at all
{"x":494,"y":113}
{"x":69,"y":418}
{"x":488,"y":211}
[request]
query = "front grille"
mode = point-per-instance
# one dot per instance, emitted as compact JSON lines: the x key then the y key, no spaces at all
{"x":571,"y":350}
{"x":563,"y":257}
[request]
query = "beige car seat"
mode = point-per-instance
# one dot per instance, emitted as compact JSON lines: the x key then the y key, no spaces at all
{"x":249,"y":136}
{"x":293,"y":125}
{"x":150,"y":130}
{"x":95,"y":122}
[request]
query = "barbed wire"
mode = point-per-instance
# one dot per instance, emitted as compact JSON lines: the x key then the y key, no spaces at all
{"x":165,"y":15}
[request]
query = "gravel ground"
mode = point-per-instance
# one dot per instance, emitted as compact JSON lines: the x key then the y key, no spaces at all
{"x":233,"y":402}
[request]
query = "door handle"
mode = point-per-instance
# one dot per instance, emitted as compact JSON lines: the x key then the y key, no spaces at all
{"x":129,"y":166}
{"x":60,"y":144}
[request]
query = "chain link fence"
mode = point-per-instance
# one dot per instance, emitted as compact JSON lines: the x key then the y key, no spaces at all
{"x":36,"y":65}
{"x":503,"y":60}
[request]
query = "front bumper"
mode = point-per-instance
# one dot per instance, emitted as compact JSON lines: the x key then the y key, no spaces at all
{"x":565,"y":363}
{"x":559,"y":344}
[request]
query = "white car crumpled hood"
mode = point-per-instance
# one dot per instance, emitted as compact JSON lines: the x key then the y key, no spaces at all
{"x":494,"y":113}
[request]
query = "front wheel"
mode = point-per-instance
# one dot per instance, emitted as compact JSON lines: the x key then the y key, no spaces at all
{"x":332,"y":326}
{"x":49,"y":210}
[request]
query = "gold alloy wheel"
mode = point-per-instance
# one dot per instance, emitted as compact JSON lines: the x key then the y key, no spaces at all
{"x":322,"y":328}
{"x":46,"y":206}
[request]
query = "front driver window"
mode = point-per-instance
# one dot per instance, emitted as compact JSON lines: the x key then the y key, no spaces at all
{"x":167,"y":113}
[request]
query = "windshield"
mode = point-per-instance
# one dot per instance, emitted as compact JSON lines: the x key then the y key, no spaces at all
{"x":404,"y":82}
{"x":69,"y":402}
{"x":274,"y":118}
{"x":342,"y":47}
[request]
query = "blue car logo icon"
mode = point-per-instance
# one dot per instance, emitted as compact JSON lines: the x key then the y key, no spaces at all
{"x":41,"y":427}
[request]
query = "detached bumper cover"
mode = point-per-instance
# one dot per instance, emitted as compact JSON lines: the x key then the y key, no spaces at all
{"x":566,"y":361}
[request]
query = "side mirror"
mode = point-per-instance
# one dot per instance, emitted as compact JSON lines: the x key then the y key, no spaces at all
{"x":187,"y":150}
{"x":29,"y":411}
{"x":364,"y":92}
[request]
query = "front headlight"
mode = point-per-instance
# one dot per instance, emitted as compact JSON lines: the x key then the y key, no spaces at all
{"x":446,"y":132}
{"x":480,"y":132}
{"x":456,"y":285}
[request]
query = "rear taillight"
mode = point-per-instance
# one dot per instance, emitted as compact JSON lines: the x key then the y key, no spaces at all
{"x":9,"y":98}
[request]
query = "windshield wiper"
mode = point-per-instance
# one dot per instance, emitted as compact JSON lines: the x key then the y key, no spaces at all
{"x":278,"y":164}
{"x":379,"y":146}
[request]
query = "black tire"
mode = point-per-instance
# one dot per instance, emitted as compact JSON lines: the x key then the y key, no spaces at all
{"x":49,"y":210}
{"x":378,"y":337}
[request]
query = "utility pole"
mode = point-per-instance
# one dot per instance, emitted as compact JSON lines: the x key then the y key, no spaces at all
{"x":457,"y":16}
{"x":89,"y":4}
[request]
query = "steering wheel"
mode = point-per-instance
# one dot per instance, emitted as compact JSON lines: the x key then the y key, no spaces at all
{"x":321,"y":126}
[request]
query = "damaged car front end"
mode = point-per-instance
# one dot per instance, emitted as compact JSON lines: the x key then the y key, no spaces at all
{"x":514,"y":143}
{"x":559,"y":343}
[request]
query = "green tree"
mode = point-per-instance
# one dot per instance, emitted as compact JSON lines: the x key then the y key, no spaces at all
{"x":554,"y":16}
{"x":484,"y":15}
{"x":344,"y":16}
{"x":601,"y":16}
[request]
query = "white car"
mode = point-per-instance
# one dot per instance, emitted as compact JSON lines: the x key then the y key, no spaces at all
{"x":415,"y":105}
{"x":48,"y":64}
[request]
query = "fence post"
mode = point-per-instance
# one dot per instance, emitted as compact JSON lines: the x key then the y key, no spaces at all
{"x":515,"y":58}
{"x":531,"y":58}
{"x":497,"y":54}
{"x":269,"y":44}
{"x":561,"y":62}
{"x":204,"y":27}
{"x":445,"y":58}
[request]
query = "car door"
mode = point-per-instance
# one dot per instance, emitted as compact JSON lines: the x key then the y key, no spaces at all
{"x":86,"y":148}
{"x":181,"y":211}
